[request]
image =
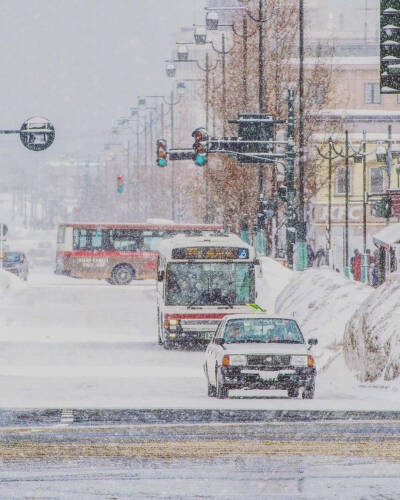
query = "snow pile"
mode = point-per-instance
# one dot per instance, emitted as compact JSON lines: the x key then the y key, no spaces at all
{"x":9,"y":282}
{"x":372,"y":336}
{"x":322,"y":301}
{"x":270,"y":282}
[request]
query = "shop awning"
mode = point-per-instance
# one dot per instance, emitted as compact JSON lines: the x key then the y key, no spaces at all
{"x":387,"y":236}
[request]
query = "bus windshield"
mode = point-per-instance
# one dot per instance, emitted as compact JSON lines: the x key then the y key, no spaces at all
{"x":211,"y":283}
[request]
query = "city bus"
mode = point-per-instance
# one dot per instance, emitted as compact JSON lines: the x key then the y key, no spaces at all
{"x":118,"y":253}
{"x":200,"y":279}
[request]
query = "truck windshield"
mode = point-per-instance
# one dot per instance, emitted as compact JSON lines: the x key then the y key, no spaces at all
{"x":216,"y":283}
{"x":263,"y":330}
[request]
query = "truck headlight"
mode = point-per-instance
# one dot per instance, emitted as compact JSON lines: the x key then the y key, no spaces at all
{"x":298,"y":361}
{"x":234,"y":360}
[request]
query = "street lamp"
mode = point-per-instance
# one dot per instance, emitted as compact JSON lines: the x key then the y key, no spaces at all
{"x":200,"y":35}
{"x":183,"y":53}
{"x":212,"y":20}
{"x":180,"y":88}
{"x":381,"y":153}
{"x":170,"y":70}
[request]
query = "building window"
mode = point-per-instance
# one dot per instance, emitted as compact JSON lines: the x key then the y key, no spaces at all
{"x":340,"y":174}
{"x":372,"y":93}
{"x":376,"y":180}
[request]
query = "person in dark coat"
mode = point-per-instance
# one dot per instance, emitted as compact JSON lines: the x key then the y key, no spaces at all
{"x":320,"y":256}
{"x":310,"y":256}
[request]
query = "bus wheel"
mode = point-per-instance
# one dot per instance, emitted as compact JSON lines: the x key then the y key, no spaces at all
{"x":122,"y":274}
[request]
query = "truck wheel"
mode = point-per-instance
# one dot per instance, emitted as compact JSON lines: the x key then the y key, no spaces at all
{"x":122,"y":274}
{"x":221,"y":390}
{"x":168,"y":345}
{"x":293,"y":392}
{"x":309,"y":391}
{"x":211,"y":392}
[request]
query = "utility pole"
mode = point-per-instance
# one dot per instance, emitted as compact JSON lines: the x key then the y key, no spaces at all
{"x":365,"y":200}
{"x":301,"y":228}
{"x":347,"y":179}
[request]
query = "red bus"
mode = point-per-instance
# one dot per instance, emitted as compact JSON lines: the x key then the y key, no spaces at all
{"x":118,"y":253}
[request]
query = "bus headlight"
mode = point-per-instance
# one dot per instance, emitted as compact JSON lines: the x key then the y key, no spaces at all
{"x":298,"y":361}
{"x":234,"y":360}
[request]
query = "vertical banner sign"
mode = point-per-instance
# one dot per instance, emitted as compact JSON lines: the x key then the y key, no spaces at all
{"x":390,"y":46}
{"x":394,"y":197}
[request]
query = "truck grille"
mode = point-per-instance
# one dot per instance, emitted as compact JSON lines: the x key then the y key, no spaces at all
{"x":272,"y":361}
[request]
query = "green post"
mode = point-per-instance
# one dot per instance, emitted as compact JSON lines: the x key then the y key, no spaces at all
{"x":244,"y":235}
{"x":261,"y":242}
{"x":364,"y":267}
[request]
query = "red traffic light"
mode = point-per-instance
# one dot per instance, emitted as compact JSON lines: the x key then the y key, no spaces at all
{"x":161,"y":152}
{"x":120,"y":184}
{"x":200,"y":134}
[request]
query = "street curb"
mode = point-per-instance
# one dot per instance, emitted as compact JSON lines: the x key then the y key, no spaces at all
{"x":99,"y":416}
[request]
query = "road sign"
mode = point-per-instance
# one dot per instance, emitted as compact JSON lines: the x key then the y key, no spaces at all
{"x":37,"y":133}
{"x":394,"y":196}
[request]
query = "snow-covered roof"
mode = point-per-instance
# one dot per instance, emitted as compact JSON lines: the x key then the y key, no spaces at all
{"x":388,"y":236}
{"x":340,"y":61}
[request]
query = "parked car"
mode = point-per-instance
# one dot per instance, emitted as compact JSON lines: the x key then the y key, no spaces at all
{"x":259,"y":351}
{"x":16,"y":263}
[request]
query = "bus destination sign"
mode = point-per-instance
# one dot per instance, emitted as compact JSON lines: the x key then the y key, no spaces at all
{"x":210,"y":253}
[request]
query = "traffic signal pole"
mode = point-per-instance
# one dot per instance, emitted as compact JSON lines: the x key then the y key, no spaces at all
{"x":290,"y":209}
{"x":301,"y":246}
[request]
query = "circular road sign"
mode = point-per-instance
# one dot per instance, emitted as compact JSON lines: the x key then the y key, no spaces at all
{"x":37,"y":133}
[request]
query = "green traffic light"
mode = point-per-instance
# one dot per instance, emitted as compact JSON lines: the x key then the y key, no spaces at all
{"x":200,"y":159}
{"x":161,"y":162}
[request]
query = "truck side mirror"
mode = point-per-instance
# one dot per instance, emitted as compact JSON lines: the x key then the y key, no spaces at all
{"x":160,"y":276}
{"x":313,"y":342}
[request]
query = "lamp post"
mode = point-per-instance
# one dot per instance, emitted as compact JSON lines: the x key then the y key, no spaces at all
{"x":356,"y":155}
{"x":330,"y":158}
{"x":172,"y":102}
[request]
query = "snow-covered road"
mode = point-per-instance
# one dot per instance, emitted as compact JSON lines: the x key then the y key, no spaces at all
{"x":82,"y":343}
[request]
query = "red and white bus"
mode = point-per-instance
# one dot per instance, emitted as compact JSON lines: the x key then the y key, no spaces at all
{"x":201,"y":279}
{"x":117,"y":253}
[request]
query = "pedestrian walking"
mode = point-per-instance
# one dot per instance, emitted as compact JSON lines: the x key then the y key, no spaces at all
{"x":320,"y":256}
{"x":356,"y":265}
{"x":310,"y":256}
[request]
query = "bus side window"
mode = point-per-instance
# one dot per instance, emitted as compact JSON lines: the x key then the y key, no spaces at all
{"x":80,"y":239}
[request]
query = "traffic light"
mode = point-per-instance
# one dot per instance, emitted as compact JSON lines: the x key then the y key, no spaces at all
{"x":282,"y":192}
{"x":268,"y":208}
{"x":389,"y":47}
{"x":161,"y":152}
{"x":200,"y":146}
{"x":382,"y":208}
{"x":120,"y":184}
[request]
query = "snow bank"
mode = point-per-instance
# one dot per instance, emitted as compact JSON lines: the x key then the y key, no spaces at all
{"x":322,"y":301}
{"x":372,"y":336}
{"x":9,"y":282}
{"x":274,"y":277}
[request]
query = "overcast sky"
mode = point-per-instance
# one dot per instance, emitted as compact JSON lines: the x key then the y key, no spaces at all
{"x":81,"y":63}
